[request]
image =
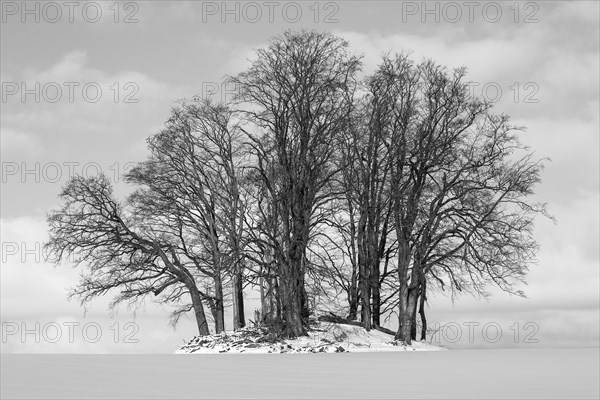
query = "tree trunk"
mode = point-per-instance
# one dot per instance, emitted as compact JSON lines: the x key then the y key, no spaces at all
{"x":292,"y":268}
{"x":413,"y":318}
{"x":199,"y":311}
{"x":264,"y":308}
{"x":364,"y":277}
{"x":422,"y":310}
{"x":219,"y":311}
{"x":408,"y":315}
{"x":304,"y":304}
{"x":291,"y":303}
{"x":353,"y":292}
{"x":403,"y":307}
{"x":365,"y":297}
{"x":190,"y":284}
{"x":353,"y":300}
{"x":304,"y":301}
{"x":239,"y":319}
{"x":276,"y":298}
{"x":270,"y":307}
{"x":376,"y":295}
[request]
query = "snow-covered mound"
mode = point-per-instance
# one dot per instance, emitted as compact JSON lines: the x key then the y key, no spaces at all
{"x":323,"y":337}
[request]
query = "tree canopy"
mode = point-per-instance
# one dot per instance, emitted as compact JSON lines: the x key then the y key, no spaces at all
{"x":319,"y":186}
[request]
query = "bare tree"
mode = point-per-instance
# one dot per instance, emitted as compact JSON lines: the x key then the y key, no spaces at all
{"x":477,"y":226}
{"x":191,"y":187}
{"x":342,"y":248}
{"x":298,"y":95}
{"x":93,"y":229}
{"x":457,"y":178}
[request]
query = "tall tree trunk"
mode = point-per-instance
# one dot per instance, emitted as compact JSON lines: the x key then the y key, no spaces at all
{"x":353,"y":291}
{"x":376,"y":294}
{"x":293,"y":267}
{"x":403,"y":306}
{"x":276,"y":298}
{"x":198,"y":310}
{"x":219,"y":309}
{"x":365,"y":297}
{"x":235,"y":233}
{"x":304,"y":301}
{"x":239,"y":319}
{"x":413,"y":318}
{"x":291,"y":301}
{"x":264,"y":307}
{"x":414,"y":290}
{"x":268,"y":289}
{"x":364,"y":277}
{"x":407,"y":326}
{"x":189,"y":282}
{"x":353,"y":297}
{"x":422,"y":312}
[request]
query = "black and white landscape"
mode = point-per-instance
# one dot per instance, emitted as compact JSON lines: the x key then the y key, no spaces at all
{"x":300,"y":200}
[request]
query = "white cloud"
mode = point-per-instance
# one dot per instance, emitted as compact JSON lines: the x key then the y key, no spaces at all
{"x":35,"y":292}
{"x":16,"y":144}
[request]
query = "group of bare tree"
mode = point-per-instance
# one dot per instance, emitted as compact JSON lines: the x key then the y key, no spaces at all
{"x":180,"y":233}
{"x":318,"y":187}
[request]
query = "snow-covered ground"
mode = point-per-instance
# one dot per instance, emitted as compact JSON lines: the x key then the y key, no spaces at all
{"x":324,"y":337}
{"x":458,"y":374}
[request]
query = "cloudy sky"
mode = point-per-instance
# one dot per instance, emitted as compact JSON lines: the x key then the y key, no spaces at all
{"x":83,"y":86}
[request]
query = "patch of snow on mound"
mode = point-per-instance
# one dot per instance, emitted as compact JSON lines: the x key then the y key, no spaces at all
{"x":323,"y":337}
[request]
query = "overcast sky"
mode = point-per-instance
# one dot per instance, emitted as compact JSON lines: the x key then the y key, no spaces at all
{"x":82,"y":90}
